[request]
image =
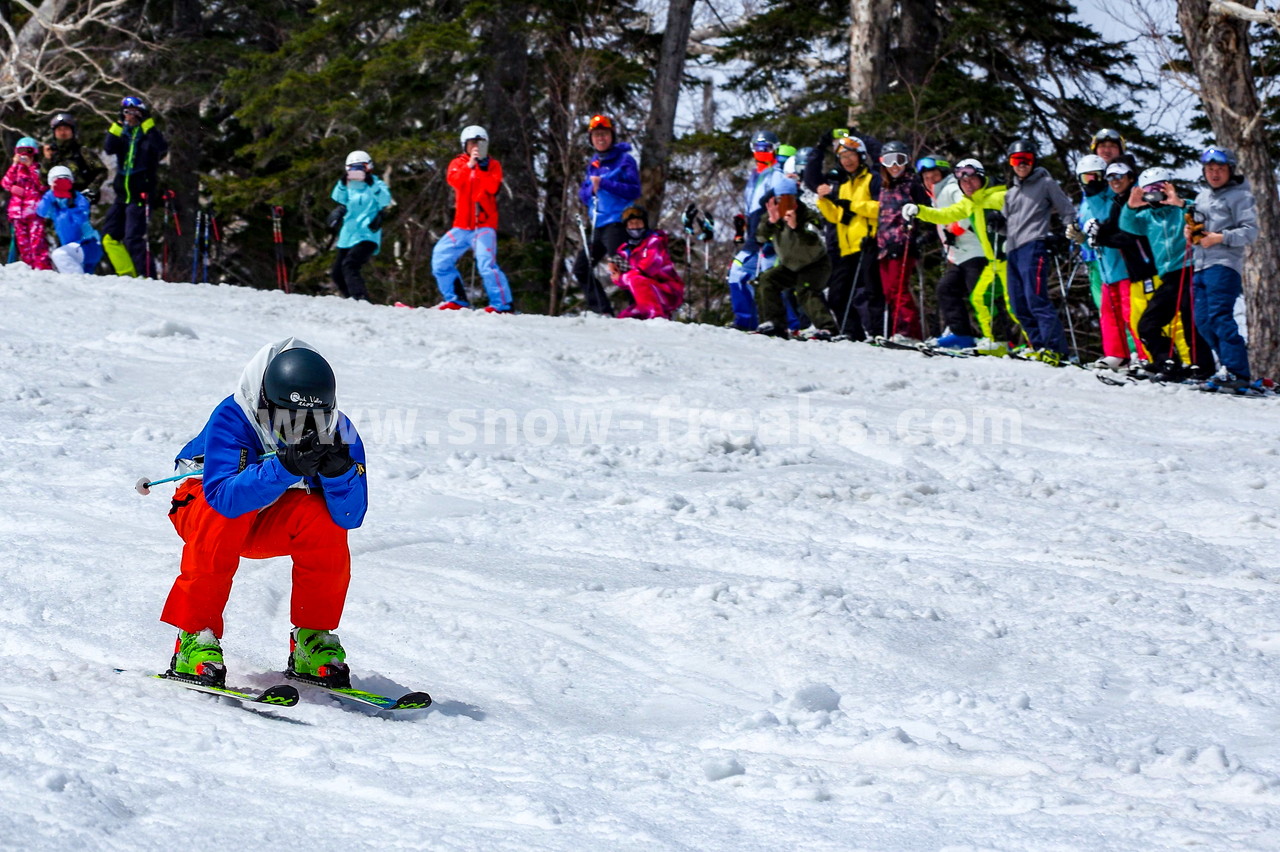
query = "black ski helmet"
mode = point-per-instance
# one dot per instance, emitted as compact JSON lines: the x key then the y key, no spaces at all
{"x":63,"y":118}
{"x":299,"y":380}
{"x":635,"y":211}
{"x":894,"y":148}
{"x":1022,"y":145}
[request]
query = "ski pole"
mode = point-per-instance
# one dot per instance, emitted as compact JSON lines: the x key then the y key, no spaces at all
{"x":195,"y":249}
{"x":143,"y":485}
{"x":146,"y":219}
{"x":853,"y":286}
{"x":1066,"y":304}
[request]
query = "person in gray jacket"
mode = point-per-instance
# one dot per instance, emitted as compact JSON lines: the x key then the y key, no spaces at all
{"x":1029,"y":205}
{"x":1223,"y":221}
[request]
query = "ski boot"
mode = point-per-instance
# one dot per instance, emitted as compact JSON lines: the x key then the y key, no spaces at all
{"x":316,"y":656}
{"x":197,"y":657}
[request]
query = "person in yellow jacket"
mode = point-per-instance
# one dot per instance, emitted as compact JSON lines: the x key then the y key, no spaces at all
{"x":982,"y":204}
{"x":853,"y":293}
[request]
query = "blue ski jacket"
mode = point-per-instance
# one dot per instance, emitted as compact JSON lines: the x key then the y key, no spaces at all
{"x":237,"y":481}
{"x":619,"y":184}
{"x":70,"y":217}
{"x":1110,"y":260}
{"x":363,"y":200}
{"x":229,"y":448}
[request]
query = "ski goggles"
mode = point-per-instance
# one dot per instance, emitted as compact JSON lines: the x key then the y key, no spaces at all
{"x":894,"y":159}
{"x":1116,"y":176}
{"x":968,"y":172}
{"x":1090,"y":177}
{"x":1215,"y":155}
{"x":1158,"y":186}
{"x":600,"y":122}
{"x":762,"y":146}
{"x":1022,"y":158}
{"x":925,"y":163}
{"x":25,"y":152}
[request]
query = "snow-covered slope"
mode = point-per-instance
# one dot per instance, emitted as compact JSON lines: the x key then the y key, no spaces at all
{"x":711,"y":592}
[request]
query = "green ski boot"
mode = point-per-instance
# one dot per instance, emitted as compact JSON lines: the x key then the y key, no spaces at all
{"x":197,"y":657}
{"x":317,"y":656}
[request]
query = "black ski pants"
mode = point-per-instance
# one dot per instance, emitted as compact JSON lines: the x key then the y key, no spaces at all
{"x":604,"y":242}
{"x":127,"y":224}
{"x":346,"y":269}
{"x":1171,"y":298}
{"x":954,"y":288}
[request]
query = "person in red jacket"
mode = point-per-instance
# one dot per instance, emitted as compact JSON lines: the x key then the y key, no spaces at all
{"x":643,"y":266}
{"x":475,"y":178}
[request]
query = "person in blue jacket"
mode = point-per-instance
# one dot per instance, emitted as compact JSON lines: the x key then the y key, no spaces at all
{"x":611,"y":186}
{"x":362,"y":199}
{"x":138,"y":146}
{"x":81,"y":247}
{"x":283,"y":474}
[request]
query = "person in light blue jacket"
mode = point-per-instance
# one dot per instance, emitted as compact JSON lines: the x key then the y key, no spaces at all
{"x":362,"y":198}
{"x":81,"y":247}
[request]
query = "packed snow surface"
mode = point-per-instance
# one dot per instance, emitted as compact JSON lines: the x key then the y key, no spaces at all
{"x":671,"y":586}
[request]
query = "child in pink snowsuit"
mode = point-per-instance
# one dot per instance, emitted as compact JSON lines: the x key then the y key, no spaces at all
{"x":643,"y":266}
{"x":26,"y":188}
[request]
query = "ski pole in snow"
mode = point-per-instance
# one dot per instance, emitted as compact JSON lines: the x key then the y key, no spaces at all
{"x":1066,"y":305}
{"x":146,"y":218}
{"x":143,"y":485}
{"x":857,"y":278}
{"x":277,"y":236}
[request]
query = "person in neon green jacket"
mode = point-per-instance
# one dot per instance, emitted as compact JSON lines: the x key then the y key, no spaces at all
{"x":982,"y":204}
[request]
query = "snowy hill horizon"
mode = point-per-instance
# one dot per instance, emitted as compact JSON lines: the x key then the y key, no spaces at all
{"x":671,"y":587}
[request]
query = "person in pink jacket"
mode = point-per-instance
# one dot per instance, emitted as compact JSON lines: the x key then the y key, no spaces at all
{"x":643,"y":266}
{"x":26,"y":188}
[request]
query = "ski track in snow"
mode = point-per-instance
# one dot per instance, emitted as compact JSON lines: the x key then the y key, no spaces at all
{"x":704,"y":629}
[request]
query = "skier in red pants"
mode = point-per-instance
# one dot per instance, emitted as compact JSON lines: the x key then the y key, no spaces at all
{"x":283,"y":475}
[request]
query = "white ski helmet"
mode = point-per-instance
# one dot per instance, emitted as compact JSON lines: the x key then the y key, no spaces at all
{"x":1090,"y":163}
{"x":359,"y":158}
{"x":473,"y":131}
{"x":60,"y":172}
{"x":1154,"y":175}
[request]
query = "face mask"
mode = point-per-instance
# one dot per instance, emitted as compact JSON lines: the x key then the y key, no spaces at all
{"x":635,"y":235}
{"x":62,"y":188}
{"x":355,"y":174}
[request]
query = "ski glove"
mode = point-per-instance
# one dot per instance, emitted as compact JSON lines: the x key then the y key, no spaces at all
{"x":304,"y":457}
{"x":739,"y":228}
{"x":375,"y":224}
{"x":997,"y":223}
{"x":334,"y":222}
{"x":689,"y":218}
{"x":910,"y":211}
{"x":337,"y":458}
{"x":621,"y":261}
{"x":91,"y":194}
{"x":1075,"y":234}
{"x":1091,"y":232}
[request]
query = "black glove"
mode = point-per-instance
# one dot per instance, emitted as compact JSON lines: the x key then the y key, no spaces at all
{"x":1057,"y":245}
{"x":375,"y":224}
{"x":739,"y":228}
{"x":708,"y":227}
{"x":91,"y":194}
{"x":337,"y":458}
{"x":304,"y":457}
{"x":997,"y":223}
{"x":621,"y":261}
{"x":334,"y":222}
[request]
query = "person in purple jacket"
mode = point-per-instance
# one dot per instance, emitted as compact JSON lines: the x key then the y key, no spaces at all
{"x":283,"y":474}
{"x":611,"y":186}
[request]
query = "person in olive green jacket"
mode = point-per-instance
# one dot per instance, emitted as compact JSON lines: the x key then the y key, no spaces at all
{"x":803,"y":264}
{"x":982,"y":204}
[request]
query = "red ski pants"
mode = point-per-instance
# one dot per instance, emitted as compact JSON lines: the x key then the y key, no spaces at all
{"x":297,"y":525}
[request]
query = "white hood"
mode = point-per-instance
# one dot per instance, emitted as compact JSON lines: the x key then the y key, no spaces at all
{"x":250,"y":388}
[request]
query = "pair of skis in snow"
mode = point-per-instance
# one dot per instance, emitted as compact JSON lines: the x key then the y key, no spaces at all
{"x":286,"y":695}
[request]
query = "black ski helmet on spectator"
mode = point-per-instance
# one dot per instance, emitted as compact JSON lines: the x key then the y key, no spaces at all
{"x":1022,"y":145}
{"x":635,"y":211}
{"x":299,"y":380}
{"x":1106,"y":135}
{"x":63,"y":119}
